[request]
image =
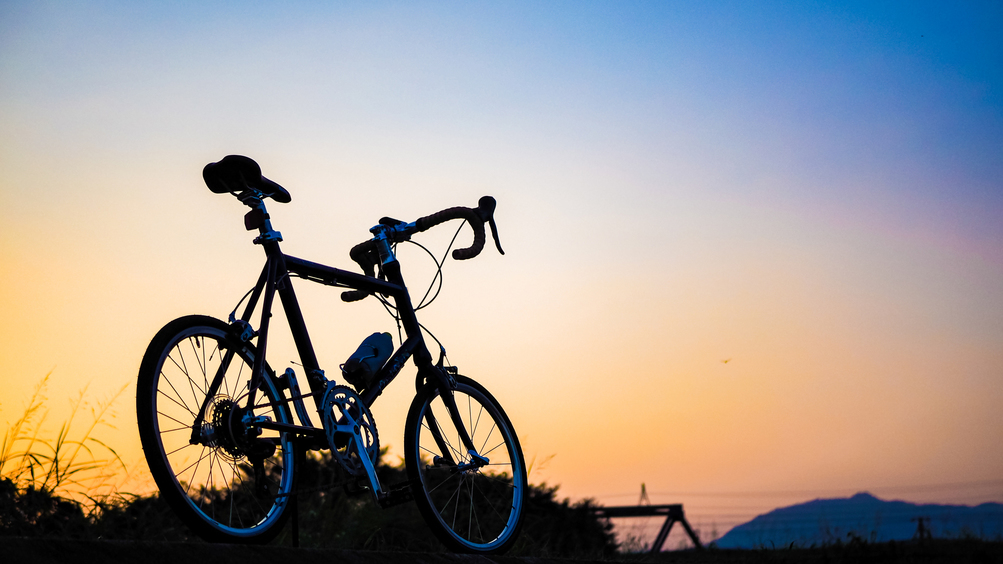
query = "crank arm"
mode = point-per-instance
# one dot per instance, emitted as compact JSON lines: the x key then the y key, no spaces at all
{"x":374,"y":481}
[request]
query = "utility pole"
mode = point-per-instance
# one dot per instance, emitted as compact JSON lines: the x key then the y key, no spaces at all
{"x":673,"y":514}
{"x":922,"y":530}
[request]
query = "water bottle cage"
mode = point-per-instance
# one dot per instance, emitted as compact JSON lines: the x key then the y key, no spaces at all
{"x":361,"y":368}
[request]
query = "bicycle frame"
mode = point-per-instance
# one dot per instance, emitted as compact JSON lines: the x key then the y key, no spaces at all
{"x":275,"y":278}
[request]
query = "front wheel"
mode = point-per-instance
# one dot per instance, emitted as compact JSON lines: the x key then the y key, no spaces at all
{"x":228,"y":481}
{"x":471,"y":505}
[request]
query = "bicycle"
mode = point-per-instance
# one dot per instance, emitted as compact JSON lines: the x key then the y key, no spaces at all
{"x":217,"y":426}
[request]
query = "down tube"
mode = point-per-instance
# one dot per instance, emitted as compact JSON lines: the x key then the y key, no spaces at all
{"x":390,"y":370}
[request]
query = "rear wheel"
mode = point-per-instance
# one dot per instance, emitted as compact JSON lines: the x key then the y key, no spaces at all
{"x":229,"y":482}
{"x":471,"y":506}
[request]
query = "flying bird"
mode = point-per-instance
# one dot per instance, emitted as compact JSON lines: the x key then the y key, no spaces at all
{"x":725,"y":361}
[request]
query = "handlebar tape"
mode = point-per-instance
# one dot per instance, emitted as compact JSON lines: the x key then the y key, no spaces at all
{"x":353,"y":295}
{"x":476,"y":217}
{"x":364,"y":254}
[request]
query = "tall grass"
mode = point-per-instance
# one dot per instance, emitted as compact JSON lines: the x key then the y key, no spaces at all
{"x":74,"y":465}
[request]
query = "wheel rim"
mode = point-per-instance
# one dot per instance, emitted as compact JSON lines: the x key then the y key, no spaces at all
{"x":235,"y":483}
{"x":478,"y":507}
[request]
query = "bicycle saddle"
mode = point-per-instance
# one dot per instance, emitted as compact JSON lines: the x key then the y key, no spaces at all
{"x":237,"y":173}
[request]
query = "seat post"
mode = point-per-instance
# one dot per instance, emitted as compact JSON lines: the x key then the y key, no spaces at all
{"x":258,"y":217}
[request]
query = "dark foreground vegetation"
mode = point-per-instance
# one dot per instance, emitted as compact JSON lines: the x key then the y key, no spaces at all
{"x":62,"y":488}
{"x":328,"y":517}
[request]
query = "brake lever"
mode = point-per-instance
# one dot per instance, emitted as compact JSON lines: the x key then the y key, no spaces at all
{"x":486,"y":210}
{"x":494,"y":233}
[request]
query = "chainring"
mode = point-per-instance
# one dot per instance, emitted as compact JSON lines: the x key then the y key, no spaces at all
{"x":345,"y":415}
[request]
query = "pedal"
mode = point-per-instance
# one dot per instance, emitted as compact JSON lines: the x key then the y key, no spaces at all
{"x":311,"y":442}
{"x":397,"y":495}
{"x":354,"y":485}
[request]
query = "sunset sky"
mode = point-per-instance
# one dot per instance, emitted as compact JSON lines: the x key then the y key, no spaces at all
{"x":810,"y":191}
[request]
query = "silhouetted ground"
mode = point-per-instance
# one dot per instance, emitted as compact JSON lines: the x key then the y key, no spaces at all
{"x":15,"y":550}
{"x":937,"y":551}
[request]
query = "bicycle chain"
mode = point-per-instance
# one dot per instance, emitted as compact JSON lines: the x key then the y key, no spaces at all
{"x":317,"y":489}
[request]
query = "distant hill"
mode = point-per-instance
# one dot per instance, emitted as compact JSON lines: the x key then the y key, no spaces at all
{"x":826,"y":521}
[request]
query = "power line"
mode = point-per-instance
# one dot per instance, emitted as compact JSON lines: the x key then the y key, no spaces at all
{"x":792,"y":493}
{"x":724,"y":516}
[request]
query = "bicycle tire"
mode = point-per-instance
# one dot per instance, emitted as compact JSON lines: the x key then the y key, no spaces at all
{"x":214,"y":486}
{"x":471,"y":510}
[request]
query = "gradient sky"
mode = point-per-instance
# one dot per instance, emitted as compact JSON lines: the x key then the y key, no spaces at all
{"x":813,"y":190}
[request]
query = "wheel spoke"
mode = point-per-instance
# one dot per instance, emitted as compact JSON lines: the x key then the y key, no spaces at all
{"x":490,"y":432}
{"x":180,"y":401}
{"x":196,"y":464}
{"x":182,"y":367}
{"x":205,"y":374}
{"x":470,"y":418}
{"x":493,"y":508}
{"x":191,"y":381}
{"x":494,"y":448}
{"x":187,"y":426}
{"x":473,"y":431}
{"x":442,"y":483}
{"x":470,"y":508}
{"x":456,"y":505}
{"x":456,"y":454}
{"x":194,"y":343}
{"x":505,"y":481}
{"x":227,"y":497}
{"x":179,"y":449}
{"x":176,"y":429}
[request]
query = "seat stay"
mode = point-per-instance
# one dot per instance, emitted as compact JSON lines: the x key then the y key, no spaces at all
{"x":258,"y":368}
{"x":259,"y":286}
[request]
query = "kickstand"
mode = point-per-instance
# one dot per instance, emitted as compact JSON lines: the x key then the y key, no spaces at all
{"x":295,"y":505}
{"x":296,"y":520}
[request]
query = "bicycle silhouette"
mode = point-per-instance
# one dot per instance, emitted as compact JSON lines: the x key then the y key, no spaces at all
{"x":217,"y":426}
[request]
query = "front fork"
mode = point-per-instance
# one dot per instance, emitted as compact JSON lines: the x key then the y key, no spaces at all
{"x":443,"y":377}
